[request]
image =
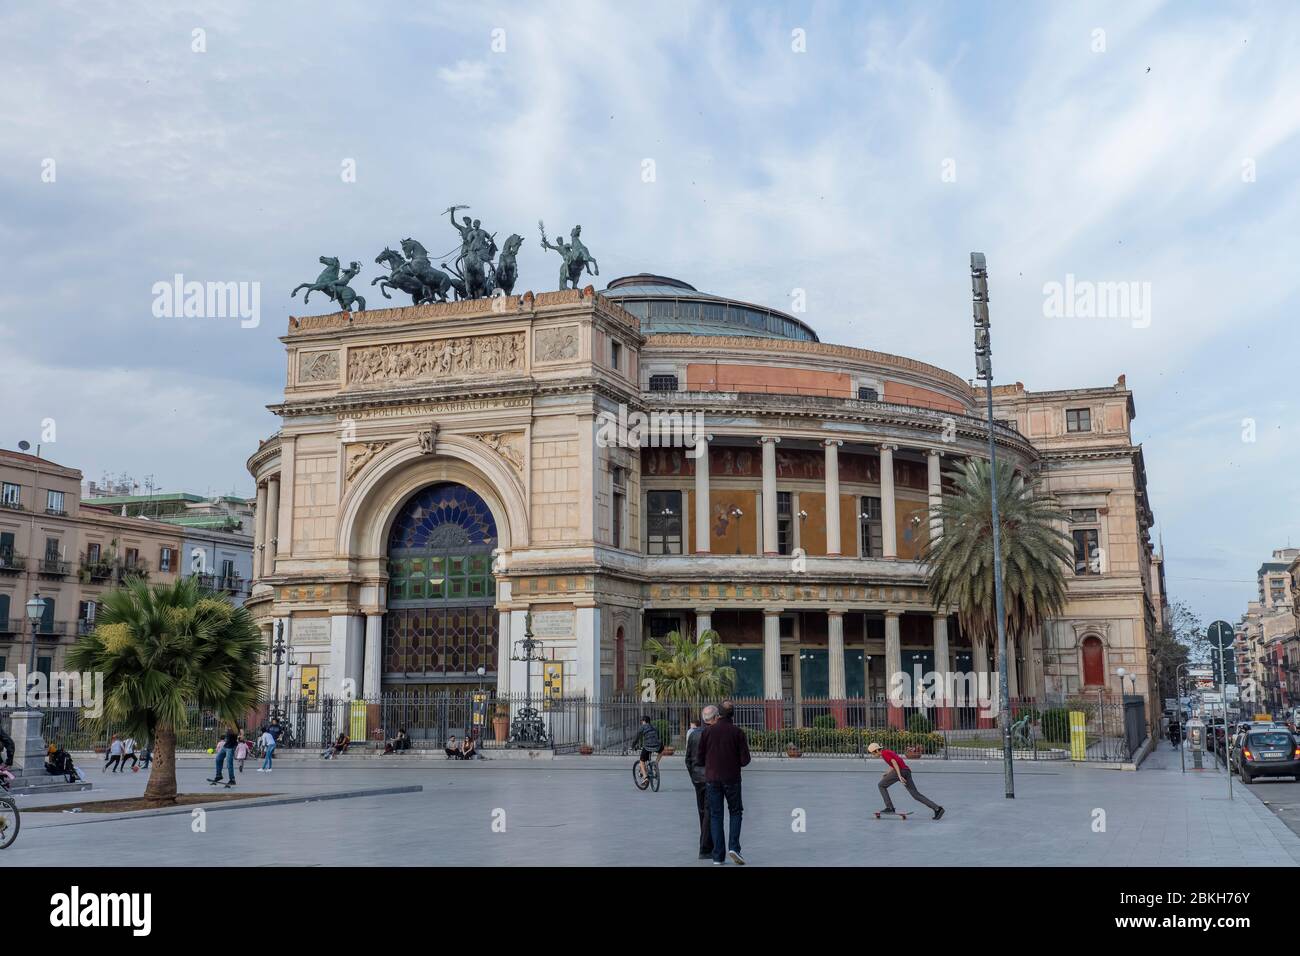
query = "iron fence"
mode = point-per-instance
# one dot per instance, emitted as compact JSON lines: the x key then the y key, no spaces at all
{"x":1091,"y":727}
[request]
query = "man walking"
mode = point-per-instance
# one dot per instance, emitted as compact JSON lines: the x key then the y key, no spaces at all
{"x":898,"y":770}
{"x":696,"y":770}
{"x":723,"y":750}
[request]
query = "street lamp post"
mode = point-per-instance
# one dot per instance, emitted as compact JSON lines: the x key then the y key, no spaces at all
{"x":528,"y":726}
{"x":278,"y":652}
{"x":35,"y":611}
{"x":984,"y":372}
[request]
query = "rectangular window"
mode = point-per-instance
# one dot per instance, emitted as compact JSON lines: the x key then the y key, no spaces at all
{"x":784,"y":523}
{"x":664,"y":522}
{"x":6,"y":544}
{"x":663,"y":383}
{"x":47,"y":616}
{"x":873,"y":538}
{"x":615,"y":355}
{"x":132,"y":557}
{"x":661,"y":627}
{"x":51,"y":549}
{"x":86,"y":611}
{"x":227,"y":568}
{"x":786,"y":627}
{"x":1078,"y":420}
{"x":164,"y":559}
{"x":11,"y":495}
{"x":54,"y":502}
{"x":92,"y":553}
{"x":868,"y":394}
{"x":1087,"y":557}
{"x":616,"y":518}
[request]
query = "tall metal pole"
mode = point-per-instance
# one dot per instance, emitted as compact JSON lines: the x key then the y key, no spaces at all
{"x":984,"y":371}
{"x":1223,"y":695}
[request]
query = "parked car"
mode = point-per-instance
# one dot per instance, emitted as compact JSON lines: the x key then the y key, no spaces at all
{"x":1269,"y":753}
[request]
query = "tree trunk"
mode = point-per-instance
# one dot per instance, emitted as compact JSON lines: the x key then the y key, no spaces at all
{"x":161,"y":789}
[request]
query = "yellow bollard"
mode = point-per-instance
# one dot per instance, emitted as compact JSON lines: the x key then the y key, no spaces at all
{"x":1078,"y":735}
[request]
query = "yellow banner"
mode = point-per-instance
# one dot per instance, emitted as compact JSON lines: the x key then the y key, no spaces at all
{"x":1078,"y":735}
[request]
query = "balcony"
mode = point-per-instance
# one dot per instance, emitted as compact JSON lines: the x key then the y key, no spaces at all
{"x":53,"y":568}
{"x":57,"y":512}
{"x":11,"y":563}
{"x":134,"y":568}
{"x":12,"y":505}
{"x":85,"y":627}
{"x":231,"y":583}
{"x":96,"y":570}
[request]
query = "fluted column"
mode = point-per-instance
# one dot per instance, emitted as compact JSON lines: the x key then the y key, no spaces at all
{"x":893,"y":666}
{"x":888,"y":532}
{"x":984,"y":679}
{"x":702,"y":496}
{"x":769,"y":494}
{"x":833,"y":496}
{"x":943,"y":668}
{"x":772,"y":666}
{"x":259,"y":533}
{"x":703,"y":620}
{"x":373,"y":672}
{"x":835,"y":654}
{"x":934,"y":460}
{"x":271,"y":534}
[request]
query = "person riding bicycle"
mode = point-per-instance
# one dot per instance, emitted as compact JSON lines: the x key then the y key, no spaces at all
{"x":648,"y":738}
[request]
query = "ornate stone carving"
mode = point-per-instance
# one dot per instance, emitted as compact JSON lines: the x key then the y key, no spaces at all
{"x":505,"y":444}
{"x":318,"y":367}
{"x":360,"y":455}
{"x":436,"y":358}
{"x":428,"y":440}
{"x":556,"y":345}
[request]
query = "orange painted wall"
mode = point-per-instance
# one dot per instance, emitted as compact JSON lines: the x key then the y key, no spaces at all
{"x":706,"y":376}
{"x":901,"y":394}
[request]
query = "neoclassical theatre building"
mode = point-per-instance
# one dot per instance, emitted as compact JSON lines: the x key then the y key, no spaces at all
{"x":444,"y":470}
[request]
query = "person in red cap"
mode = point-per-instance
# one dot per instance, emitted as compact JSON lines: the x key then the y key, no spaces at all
{"x":898,"y":770}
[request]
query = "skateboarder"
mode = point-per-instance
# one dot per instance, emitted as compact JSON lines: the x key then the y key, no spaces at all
{"x":898,"y":770}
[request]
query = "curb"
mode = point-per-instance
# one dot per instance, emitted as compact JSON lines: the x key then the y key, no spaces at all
{"x":227,"y":805}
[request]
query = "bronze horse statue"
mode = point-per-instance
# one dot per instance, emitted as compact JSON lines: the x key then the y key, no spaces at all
{"x":333,"y":285}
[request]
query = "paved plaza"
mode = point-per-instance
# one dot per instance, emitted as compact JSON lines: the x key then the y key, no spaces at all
{"x":585,"y":811}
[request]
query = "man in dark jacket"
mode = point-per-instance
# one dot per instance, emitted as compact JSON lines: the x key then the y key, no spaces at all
{"x":696,"y":769}
{"x":724,"y":750}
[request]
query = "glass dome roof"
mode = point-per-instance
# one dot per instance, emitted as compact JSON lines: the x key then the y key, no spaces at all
{"x":666,"y":305}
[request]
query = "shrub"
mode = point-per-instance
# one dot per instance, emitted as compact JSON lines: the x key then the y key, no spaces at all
{"x":665,"y":734}
{"x":919,"y":724}
{"x":824,"y":722}
{"x":1055,"y":724}
{"x":840,"y":740}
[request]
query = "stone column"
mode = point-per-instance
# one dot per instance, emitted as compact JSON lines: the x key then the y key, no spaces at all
{"x":503,"y":653}
{"x":984,"y":679}
{"x":838,"y":691}
{"x":833,"y":496}
{"x":888,"y":533}
{"x":769,"y":494}
{"x":934,"y":460}
{"x":772,"y":666}
{"x":373,"y":676}
{"x":893,"y":665}
{"x":943,"y":668}
{"x":29,"y":746}
{"x":259,"y":533}
{"x":702,"y":535}
{"x":270,"y":537}
{"x":703,"y":620}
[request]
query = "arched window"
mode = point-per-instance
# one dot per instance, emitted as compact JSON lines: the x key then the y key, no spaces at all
{"x":440,"y":625}
{"x":1094,"y":665}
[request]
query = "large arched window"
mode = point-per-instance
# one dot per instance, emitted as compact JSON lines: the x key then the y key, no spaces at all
{"x":1094,"y":664}
{"x":440,"y":625}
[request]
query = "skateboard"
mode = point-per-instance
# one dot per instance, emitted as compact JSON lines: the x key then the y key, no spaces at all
{"x":901,"y":814}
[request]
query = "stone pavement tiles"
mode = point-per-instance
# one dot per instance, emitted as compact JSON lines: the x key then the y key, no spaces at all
{"x":578,"y":811}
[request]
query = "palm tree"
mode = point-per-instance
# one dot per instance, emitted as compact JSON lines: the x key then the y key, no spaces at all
{"x":164,"y":649}
{"x":1035,"y":553}
{"x":685,"y":669}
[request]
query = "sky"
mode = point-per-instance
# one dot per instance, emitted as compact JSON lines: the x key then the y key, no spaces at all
{"x":846,"y":156}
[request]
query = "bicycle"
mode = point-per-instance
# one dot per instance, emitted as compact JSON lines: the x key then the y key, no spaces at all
{"x":10,"y":818}
{"x":650,"y":778}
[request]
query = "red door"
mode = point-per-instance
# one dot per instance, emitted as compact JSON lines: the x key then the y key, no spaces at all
{"x":1094,"y":668}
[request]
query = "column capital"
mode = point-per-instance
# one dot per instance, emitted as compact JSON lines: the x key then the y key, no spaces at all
{"x":888,"y":446}
{"x":834,"y":612}
{"x":833,"y":442}
{"x":892,"y":613}
{"x":705,"y":610}
{"x":774,"y":439}
{"x":935,"y":452}
{"x":773,"y":611}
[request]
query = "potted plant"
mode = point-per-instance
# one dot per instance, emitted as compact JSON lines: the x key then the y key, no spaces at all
{"x":501,"y":721}
{"x":586,"y":749}
{"x":912,"y":752}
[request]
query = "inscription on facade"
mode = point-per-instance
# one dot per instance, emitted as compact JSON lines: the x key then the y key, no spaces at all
{"x":436,"y":358}
{"x":310,"y":630}
{"x":450,"y":408}
{"x":553,"y":625}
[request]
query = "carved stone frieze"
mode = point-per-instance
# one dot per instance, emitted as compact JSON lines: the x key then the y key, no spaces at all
{"x":436,"y":358}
